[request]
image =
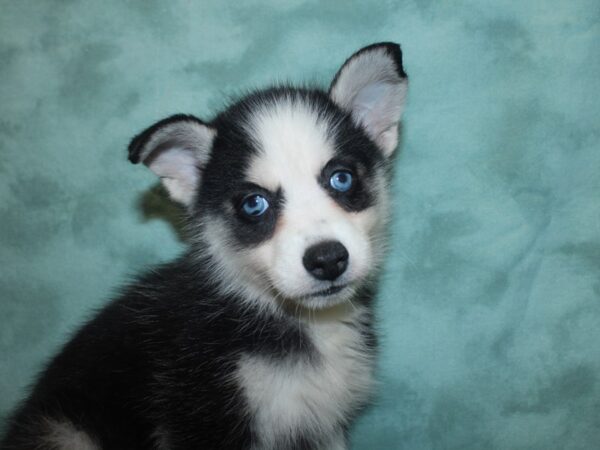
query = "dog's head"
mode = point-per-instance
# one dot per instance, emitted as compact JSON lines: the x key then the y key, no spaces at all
{"x":287,"y":188}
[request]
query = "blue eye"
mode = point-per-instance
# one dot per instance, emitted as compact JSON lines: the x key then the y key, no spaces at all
{"x":255,"y":205}
{"x":341,"y":180}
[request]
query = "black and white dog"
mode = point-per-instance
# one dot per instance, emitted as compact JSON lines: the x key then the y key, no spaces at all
{"x":260,"y":336}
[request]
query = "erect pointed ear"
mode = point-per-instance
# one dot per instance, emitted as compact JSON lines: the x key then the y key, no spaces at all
{"x":372,"y":85}
{"x":176,"y":149}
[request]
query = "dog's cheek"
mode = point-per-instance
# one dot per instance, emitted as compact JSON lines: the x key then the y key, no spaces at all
{"x":373,"y":220}
{"x":369,"y":225}
{"x":353,"y":235}
{"x":261,"y":259}
{"x":367,"y":221}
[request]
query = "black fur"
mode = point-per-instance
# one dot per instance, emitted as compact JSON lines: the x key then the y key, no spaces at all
{"x":160,"y":354}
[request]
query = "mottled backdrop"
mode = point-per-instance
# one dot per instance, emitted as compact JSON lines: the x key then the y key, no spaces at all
{"x":490,"y":308}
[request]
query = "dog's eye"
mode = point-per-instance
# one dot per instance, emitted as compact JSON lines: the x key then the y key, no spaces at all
{"x":255,"y":205}
{"x":341,"y":180}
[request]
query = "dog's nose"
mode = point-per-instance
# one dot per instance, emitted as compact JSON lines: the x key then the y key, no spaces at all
{"x":326,"y":260}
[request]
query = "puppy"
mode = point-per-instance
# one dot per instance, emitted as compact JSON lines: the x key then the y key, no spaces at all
{"x":260,"y":336}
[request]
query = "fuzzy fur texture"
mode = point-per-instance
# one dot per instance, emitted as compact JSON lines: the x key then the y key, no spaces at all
{"x":243,"y":343}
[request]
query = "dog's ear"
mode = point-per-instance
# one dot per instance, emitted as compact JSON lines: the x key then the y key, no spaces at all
{"x":372,"y":85}
{"x":176,"y":149}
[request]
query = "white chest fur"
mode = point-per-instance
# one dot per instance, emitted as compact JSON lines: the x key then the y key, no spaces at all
{"x":298,"y":395}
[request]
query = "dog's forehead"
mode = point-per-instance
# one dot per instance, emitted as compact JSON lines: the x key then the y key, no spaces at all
{"x":293,"y":143}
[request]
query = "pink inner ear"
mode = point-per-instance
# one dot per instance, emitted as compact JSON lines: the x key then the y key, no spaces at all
{"x":369,"y":106}
{"x":378,"y":108}
{"x":178,"y":171}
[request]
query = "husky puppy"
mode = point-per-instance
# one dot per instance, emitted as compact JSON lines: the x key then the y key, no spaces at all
{"x":260,"y":336}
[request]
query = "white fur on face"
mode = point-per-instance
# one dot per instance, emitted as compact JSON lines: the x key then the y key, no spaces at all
{"x":233,"y":270}
{"x":294,"y":147}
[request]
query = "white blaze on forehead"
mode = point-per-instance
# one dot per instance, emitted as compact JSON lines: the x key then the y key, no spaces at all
{"x":293,"y":144}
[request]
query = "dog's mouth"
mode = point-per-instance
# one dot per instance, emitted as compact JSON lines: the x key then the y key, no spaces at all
{"x":323,"y":299}
{"x":327,"y":292}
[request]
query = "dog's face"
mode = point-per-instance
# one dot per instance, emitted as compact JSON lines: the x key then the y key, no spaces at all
{"x":287,"y":188}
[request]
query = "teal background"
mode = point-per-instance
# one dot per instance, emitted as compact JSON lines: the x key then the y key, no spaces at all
{"x":490,"y":306}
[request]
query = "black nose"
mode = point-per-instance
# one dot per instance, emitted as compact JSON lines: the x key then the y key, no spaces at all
{"x":326,"y":260}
